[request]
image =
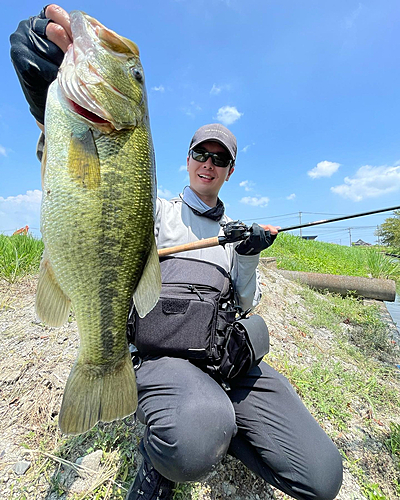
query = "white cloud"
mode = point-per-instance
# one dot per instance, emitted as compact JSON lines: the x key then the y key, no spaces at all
{"x":160,"y":88}
{"x":21,"y":210}
{"x":246,"y":148}
{"x":182,"y":168}
{"x":34,"y":197}
{"x":217,"y":89}
{"x":164,"y":193}
{"x":228,"y":115}
{"x":192,"y":109}
{"x":369,"y":182}
{"x":291,"y":197}
{"x":3,"y":151}
{"x":255,"y":201}
{"x":323,"y":169}
{"x":248,"y":185}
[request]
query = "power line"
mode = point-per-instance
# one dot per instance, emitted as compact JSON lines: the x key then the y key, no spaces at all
{"x":346,"y":227}
{"x":320,"y":213}
{"x":271,"y":217}
{"x":325,"y":213}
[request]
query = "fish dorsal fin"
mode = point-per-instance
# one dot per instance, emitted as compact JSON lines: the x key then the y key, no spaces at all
{"x":148,"y":290}
{"x":52,"y":305}
{"x":83,"y":160}
{"x":118,"y":43}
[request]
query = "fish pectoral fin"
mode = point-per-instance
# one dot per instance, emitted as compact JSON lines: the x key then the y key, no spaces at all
{"x":83,"y":160}
{"x":147,"y":292}
{"x":97,"y":392}
{"x":52,"y":305}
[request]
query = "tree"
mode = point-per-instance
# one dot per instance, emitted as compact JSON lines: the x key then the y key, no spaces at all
{"x":389,"y":231}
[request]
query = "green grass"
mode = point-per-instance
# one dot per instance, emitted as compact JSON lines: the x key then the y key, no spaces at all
{"x":117,"y":442}
{"x":369,"y":332}
{"x":382,"y":266}
{"x":373,"y":492}
{"x":295,"y":254}
{"x":19,"y":256}
{"x":331,"y":387}
{"x":392,"y":250}
{"x":330,"y":384}
{"x":119,"y":462}
{"x":393,"y":441}
{"x":116,"y":437}
{"x":351,"y":377}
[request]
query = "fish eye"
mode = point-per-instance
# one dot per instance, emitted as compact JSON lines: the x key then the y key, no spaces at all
{"x":137,"y":74}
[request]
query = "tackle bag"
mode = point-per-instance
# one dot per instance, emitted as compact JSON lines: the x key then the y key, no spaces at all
{"x":196,"y":319}
{"x":246,"y":343}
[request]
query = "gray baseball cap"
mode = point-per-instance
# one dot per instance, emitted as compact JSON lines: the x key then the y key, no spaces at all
{"x":218,"y":133}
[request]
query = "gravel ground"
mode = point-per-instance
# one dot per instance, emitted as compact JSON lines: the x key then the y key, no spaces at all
{"x":34,"y":365}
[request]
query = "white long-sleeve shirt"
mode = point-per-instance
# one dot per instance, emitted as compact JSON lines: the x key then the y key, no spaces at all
{"x":177,"y":224}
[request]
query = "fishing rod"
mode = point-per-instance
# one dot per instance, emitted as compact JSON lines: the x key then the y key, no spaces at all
{"x":238,"y":231}
{"x":336,"y":219}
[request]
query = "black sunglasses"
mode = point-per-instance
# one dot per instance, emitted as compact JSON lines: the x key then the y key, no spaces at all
{"x":218,"y":159}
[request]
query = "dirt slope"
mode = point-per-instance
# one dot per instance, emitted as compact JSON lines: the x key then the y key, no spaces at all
{"x":35,"y":362}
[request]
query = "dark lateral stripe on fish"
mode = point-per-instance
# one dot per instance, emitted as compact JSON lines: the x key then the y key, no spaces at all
{"x":110,"y":262}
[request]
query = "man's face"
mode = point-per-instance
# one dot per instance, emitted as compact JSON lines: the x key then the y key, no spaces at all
{"x":205,"y":178}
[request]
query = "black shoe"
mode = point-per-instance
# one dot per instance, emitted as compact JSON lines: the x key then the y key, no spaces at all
{"x":149,"y":484}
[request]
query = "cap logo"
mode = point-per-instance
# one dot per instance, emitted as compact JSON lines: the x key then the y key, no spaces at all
{"x":216,"y":130}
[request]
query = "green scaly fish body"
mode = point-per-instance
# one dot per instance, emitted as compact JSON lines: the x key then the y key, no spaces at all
{"x":97,"y":218}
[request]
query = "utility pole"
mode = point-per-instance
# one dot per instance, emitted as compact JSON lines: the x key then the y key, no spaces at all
{"x":301,"y":234}
{"x":350,"y":234}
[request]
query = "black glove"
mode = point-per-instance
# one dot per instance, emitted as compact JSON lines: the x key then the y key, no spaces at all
{"x":36,"y":61}
{"x":258,"y":240}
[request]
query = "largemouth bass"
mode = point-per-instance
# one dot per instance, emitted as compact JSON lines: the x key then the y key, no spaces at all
{"x":97,"y":217}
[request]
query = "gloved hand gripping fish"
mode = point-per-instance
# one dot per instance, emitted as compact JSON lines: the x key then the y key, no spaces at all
{"x":97,"y":217}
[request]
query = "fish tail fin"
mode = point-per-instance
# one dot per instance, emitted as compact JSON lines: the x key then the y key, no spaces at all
{"x":52,"y":305}
{"x":93,"y":393}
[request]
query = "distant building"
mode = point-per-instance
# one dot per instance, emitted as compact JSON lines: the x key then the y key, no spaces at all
{"x":309,"y":237}
{"x":361,"y":243}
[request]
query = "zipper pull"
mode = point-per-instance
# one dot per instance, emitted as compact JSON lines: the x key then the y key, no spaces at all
{"x":192,"y":288}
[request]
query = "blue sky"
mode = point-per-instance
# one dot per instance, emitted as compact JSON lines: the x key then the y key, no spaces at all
{"x":310,"y":89}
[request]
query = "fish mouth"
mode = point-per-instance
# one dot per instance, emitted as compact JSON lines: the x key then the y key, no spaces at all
{"x":77,"y":93}
{"x":85,"y":113}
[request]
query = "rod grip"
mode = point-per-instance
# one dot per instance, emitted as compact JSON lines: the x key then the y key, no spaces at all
{"x":195,"y":245}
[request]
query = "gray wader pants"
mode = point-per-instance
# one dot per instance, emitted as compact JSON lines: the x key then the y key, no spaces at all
{"x":191,"y":423}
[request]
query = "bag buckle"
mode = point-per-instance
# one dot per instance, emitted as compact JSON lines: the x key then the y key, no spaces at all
{"x":225,"y":385}
{"x":136,"y":359}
